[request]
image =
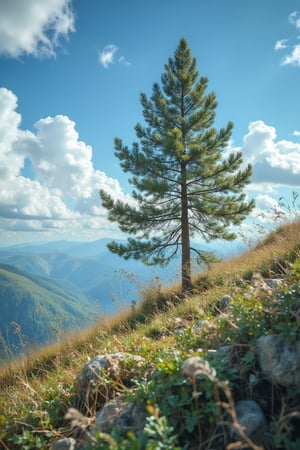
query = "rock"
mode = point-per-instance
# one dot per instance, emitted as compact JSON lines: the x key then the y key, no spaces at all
{"x":253,"y":379}
{"x":64,"y":444}
{"x":202,"y":325}
{"x":224,"y":351}
{"x":180,"y":325}
{"x":179,"y":331}
{"x":279,"y":360}
{"x":222,"y":305}
{"x":266,"y":283}
{"x":253,"y":421}
{"x":195,"y":365}
{"x":94,"y":386}
{"x":121,"y":415}
{"x":273,"y":283}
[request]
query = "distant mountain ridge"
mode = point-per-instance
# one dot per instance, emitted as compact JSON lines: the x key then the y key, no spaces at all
{"x":57,"y":286}
{"x":34,"y":309}
{"x":87,"y":265}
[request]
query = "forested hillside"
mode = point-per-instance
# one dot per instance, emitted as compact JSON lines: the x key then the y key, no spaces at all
{"x":35,"y":310}
{"x":104,"y":278}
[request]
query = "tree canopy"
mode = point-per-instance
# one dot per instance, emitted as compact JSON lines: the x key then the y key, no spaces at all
{"x":184,"y":183}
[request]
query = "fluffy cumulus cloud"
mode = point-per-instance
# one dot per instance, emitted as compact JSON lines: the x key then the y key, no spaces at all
{"x":276,"y":168}
{"x":108,"y":56}
{"x":63,"y":191}
{"x":34,"y":27}
{"x":275,"y":162}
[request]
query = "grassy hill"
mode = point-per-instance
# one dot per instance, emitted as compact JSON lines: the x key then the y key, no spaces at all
{"x":34,"y":309}
{"x":37,"y":391}
{"x":89,"y":267}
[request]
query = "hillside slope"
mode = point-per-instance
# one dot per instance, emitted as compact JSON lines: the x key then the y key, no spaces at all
{"x":34,"y":309}
{"x":176,"y":411}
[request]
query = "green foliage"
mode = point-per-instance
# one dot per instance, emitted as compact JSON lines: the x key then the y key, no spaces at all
{"x":178,"y":398}
{"x":161,"y":436}
{"x":30,"y":441}
{"x":156,"y":435}
{"x":259,"y":312}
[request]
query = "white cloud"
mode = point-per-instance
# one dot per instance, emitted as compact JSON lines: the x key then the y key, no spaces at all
{"x":64,"y":194}
{"x":294,"y":19}
{"x":275,"y":163}
{"x":107,"y":56}
{"x":264,"y":206}
{"x":122,"y":60}
{"x":296,"y":133}
{"x":293,"y":58}
{"x":281,"y":44}
{"x":34,"y":27}
{"x":10,"y":161}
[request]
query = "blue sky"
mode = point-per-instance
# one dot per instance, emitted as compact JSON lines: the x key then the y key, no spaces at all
{"x":70,"y":77}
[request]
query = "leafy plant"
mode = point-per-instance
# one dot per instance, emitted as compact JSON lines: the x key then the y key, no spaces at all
{"x":261,"y":311}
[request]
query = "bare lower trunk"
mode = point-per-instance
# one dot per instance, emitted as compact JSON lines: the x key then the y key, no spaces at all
{"x":185,"y":237}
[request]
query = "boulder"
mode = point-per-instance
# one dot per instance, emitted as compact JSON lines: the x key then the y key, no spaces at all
{"x":279,"y":360}
{"x":120,"y":414}
{"x":95,"y":381}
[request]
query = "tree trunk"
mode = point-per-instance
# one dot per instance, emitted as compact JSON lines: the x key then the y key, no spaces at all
{"x":186,"y":279}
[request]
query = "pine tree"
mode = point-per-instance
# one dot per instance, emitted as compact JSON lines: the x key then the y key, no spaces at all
{"x":183,"y":184}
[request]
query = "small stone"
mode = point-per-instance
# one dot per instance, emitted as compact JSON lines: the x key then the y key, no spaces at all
{"x":273,"y":283}
{"x":253,"y":379}
{"x":64,"y":444}
{"x":253,"y":421}
{"x":222,"y":305}
{"x":195,"y":365}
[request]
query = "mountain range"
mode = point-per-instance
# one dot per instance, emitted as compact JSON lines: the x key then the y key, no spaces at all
{"x":50,"y":288}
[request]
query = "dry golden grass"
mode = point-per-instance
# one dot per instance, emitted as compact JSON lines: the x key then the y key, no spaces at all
{"x":270,"y":257}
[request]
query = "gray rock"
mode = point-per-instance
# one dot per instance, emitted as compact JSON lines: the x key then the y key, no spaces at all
{"x":195,"y":365}
{"x":121,"y":415}
{"x":273,"y":283}
{"x":253,"y":421}
{"x":64,"y":444}
{"x":224,"y":350}
{"x":94,"y":387}
{"x":222,"y":305}
{"x":253,"y":379}
{"x":279,"y":360}
{"x":203,"y":325}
